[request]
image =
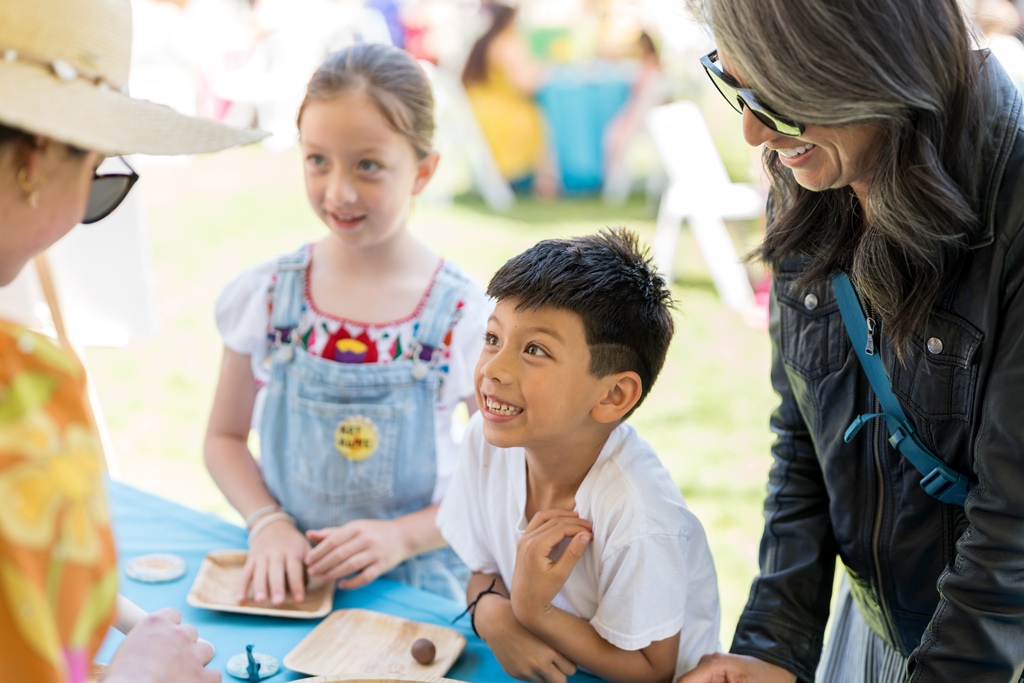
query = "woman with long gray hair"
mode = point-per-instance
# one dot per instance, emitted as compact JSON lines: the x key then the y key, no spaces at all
{"x":896,"y":157}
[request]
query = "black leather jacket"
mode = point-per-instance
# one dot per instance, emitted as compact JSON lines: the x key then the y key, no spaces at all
{"x":942,"y":584}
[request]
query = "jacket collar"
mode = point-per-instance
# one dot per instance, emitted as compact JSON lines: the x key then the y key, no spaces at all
{"x":1005,"y":124}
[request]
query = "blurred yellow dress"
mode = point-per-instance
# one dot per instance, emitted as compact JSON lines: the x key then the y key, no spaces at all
{"x":511,"y":124}
{"x":58,"y":574}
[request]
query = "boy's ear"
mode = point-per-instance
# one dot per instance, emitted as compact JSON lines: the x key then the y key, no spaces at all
{"x":624,"y":390}
{"x":425,"y":171}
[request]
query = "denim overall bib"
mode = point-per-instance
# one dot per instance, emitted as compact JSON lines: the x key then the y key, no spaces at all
{"x":342,"y":441}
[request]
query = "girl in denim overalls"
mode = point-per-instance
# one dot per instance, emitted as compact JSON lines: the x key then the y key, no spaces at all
{"x":349,"y":354}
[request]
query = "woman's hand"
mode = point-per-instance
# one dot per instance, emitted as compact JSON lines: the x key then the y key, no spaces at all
{"x":275,"y":564}
{"x":160,"y":649}
{"x":521,"y":654}
{"x":358,"y":552}
{"x":725,"y":668}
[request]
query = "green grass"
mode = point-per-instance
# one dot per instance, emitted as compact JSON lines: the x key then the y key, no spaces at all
{"x":707,"y":416}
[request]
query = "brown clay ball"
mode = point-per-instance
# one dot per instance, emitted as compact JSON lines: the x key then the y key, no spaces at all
{"x":423,"y":651}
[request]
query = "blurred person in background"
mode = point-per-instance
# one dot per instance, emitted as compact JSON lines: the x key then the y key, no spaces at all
{"x":436,"y":30}
{"x":165,"y":55}
{"x":64,"y":108}
{"x":289,"y":40}
{"x":501,"y":80}
{"x":896,"y":157}
{"x":649,"y":90}
{"x":181,"y":46}
{"x":391,"y":13}
{"x":999,"y":22}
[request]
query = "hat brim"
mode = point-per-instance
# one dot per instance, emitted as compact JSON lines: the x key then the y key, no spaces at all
{"x":81,"y":114}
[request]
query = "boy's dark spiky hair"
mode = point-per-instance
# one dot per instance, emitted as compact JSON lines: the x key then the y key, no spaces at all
{"x":607,"y":279}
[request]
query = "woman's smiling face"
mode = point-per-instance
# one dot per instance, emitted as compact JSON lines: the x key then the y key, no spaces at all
{"x":822,"y":157}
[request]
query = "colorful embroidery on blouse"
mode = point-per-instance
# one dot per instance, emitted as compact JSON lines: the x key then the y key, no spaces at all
{"x":346,"y":341}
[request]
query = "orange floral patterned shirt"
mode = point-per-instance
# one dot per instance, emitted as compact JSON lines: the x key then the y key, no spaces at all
{"x":58,"y":573}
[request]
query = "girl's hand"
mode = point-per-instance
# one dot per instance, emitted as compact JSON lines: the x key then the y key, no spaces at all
{"x":537,"y":577}
{"x":160,"y":649}
{"x":275,"y":564}
{"x":726,"y":668}
{"x":521,"y":654}
{"x":359,"y":551}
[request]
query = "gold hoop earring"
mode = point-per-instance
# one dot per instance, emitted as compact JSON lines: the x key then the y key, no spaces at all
{"x":31,"y":190}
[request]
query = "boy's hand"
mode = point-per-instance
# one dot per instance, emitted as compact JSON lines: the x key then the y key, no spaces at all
{"x":537,"y":578}
{"x":521,"y":654}
{"x":275,"y":564}
{"x":361,"y":550}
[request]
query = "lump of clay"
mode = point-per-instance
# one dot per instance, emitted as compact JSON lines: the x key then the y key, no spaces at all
{"x":423,"y":651}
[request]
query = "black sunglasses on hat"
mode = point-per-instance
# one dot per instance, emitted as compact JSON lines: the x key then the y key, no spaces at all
{"x":108,"y":191}
{"x":739,"y":97}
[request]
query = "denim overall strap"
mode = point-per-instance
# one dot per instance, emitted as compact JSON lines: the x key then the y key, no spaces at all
{"x":435,"y":319}
{"x":437,"y":313}
{"x":940,"y":480}
{"x":289,"y":291}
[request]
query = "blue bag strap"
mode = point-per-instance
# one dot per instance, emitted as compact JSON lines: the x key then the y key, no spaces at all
{"x":940,"y":480}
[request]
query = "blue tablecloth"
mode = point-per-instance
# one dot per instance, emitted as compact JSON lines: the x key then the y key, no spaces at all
{"x":144,"y":523}
{"x":579,"y":100}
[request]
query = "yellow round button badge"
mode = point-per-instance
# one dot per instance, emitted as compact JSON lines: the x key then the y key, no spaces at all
{"x":356,"y":438}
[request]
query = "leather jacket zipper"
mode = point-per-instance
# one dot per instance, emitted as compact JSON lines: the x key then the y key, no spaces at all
{"x":869,"y":343}
{"x":878,"y":442}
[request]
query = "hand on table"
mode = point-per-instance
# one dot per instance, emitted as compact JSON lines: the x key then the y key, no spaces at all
{"x":160,"y":649}
{"x":275,"y":564}
{"x":537,"y":578}
{"x":727,"y":668}
{"x":356,"y":553}
{"x":521,"y":654}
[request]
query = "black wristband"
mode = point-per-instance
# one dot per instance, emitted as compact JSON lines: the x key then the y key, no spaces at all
{"x":471,"y":607}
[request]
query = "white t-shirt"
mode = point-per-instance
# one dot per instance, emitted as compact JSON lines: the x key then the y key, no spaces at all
{"x":646,"y":575}
{"x":243,"y":319}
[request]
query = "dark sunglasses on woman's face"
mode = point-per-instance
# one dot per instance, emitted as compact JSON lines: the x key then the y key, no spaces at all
{"x":739,"y":97}
{"x":108,"y":191}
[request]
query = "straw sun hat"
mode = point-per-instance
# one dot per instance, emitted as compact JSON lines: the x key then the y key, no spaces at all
{"x":64,"y":74}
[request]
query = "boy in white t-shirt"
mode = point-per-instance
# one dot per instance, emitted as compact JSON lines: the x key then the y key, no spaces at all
{"x":582,"y":550}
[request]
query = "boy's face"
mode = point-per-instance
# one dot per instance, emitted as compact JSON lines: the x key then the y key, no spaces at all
{"x":532,"y":380}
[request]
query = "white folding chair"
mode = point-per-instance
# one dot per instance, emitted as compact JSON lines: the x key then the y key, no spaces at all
{"x":700,"y":192}
{"x":621,"y":173}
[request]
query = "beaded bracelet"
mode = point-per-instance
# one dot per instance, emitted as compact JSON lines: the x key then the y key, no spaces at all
{"x":262,"y":512}
{"x":471,"y":607}
{"x":267,"y":520}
